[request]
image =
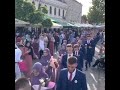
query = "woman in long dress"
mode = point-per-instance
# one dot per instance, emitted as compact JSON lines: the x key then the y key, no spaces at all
{"x":51,"y":45}
{"x":35,"y":45}
{"x":28,"y":54}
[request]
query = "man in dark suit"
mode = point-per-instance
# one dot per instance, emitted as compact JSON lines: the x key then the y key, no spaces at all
{"x":79,"y":54}
{"x":88,"y":51}
{"x":71,"y":78}
{"x":66,"y":56}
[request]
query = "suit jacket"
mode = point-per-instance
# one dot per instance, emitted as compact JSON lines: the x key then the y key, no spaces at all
{"x":78,"y":82}
{"x":80,"y":59}
{"x":64,"y":61}
{"x":89,"y":50}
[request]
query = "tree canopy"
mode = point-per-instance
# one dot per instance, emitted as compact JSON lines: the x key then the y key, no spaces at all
{"x":97,"y":12}
{"x":26,"y":11}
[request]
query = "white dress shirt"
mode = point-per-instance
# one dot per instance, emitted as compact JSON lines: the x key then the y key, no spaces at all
{"x":18,"y":54}
{"x":88,"y":41}
{"x":73,"y":75}
{"x":69,"y":55}
{"x":76,"y":53}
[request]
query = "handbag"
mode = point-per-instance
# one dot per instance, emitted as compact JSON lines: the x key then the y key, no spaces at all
{"x":23,"y":66}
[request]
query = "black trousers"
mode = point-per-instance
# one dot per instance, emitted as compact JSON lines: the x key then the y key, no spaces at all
{"x":87,"y":63}
{"x":40,"y":53}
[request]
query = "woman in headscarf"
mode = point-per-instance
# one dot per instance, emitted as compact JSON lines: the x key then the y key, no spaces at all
{"x":37,"y":74}
{"x":28,"y":55}
{"x":45,"y":58}
{"x":62,"y":51}
{"x":64,"y":41}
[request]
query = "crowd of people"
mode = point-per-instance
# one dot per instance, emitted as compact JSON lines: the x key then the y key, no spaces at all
{"x":59,"y":58}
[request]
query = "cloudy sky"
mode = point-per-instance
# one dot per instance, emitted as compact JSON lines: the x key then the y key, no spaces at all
{"x":86,"y":4}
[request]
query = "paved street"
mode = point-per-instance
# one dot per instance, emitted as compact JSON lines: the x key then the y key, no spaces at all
{"x":95,"y":77}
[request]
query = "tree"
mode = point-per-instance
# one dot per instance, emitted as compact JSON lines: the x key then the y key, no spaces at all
{"x":97,"y":12}
{"x":26,"y":11}
{"x":43,"y":9}
{"x":36,"y":17}
{"x":84,"y":18}
{"x":47,"y":23}
{"x":23,"y":9}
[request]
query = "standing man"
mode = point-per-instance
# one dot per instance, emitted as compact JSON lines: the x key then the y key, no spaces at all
{"x":71,"y":78}
{"x":88,"y":51}
{"x":78,"y":52}
{"x":68,"y":55}
{"x":18,"y":54}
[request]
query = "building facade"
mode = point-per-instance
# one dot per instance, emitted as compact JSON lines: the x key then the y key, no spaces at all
{"x":66,"y":10}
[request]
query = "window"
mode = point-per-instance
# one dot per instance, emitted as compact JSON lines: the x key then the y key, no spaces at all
{"x":59,"y":12}
{"x":50,"y":10}
{"x":63,"y":13}
{"x":54,"y":11}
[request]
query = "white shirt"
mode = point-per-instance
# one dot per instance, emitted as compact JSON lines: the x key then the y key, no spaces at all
{"x":18,"y":54}
{"x":88,"y":41}
{"x":41,"y":45}
{"x":76,"y":53}
{"x":73,"y":75}
{"x":70,"y":55}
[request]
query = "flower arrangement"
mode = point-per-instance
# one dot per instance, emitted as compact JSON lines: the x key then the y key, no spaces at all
{"x":44,"y":82}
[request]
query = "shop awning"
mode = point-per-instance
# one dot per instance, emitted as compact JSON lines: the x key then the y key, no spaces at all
{"x":55,"y":25}
{"x":20,"y":23}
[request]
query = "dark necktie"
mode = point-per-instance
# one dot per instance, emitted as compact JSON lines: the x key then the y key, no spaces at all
{"x":76,"y":53}
{"x":70,"y":78}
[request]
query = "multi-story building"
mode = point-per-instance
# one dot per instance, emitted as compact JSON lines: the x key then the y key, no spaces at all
{"x":66,"y":10}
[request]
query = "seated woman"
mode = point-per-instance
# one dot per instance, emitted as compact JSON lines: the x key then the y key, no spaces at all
{"x":102,"y":56}
{"x":100,"y":61}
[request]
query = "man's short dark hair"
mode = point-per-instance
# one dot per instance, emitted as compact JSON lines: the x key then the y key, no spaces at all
{"x":69,"y":45}
{"x":72,"y":60}
{"x":76,"y":46}
{"x":21,"y":83}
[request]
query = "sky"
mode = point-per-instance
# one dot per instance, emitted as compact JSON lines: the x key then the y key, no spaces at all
{"x":86,"y":4}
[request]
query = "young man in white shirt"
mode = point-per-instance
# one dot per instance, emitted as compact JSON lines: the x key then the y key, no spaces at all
{"x":71,"y":78}
{"x":18,"y":54}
